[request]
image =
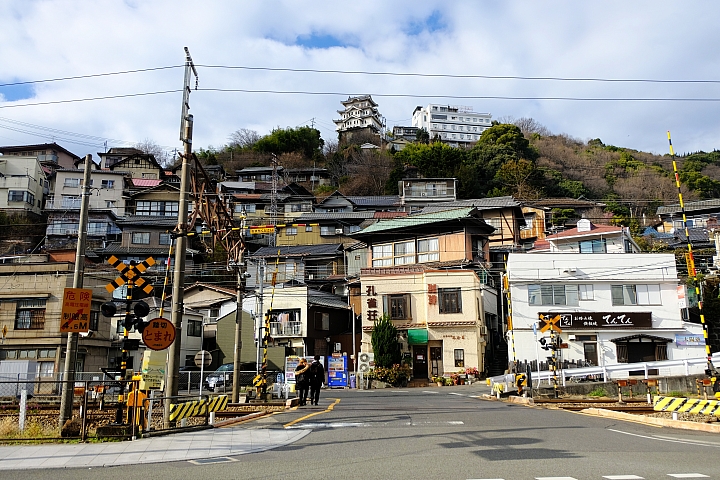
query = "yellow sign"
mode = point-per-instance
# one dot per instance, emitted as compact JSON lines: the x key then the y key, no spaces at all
{"x":259,"y":230}
{"x":153,"y":370}
{"x":75,"y":315}
{"x":550,"y":323}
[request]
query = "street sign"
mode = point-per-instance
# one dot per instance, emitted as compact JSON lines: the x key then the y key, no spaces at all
{"x":203,"y":357}
{"x":130,"y":273}
{"x":75,"y":313}
{"x":260,"y":230}
{"x":159,"y":334}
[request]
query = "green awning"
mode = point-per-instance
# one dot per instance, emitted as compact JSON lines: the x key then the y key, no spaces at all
{"x":417,"y":336}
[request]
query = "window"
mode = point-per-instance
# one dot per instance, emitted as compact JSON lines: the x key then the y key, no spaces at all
{"x":449,"y":300}
{"x":150,"y":176}
{"x":94,"y":321}
{"x":636,"y":295}
{"x":397,"y":306}
{"x":107,"y":184}
{"x":290,"y":231}
{"x":165,"y":239}
{"x":428,"y":250}
{"x":553,"y":294}
{"x":593,"y":246}
{"x":308,"y":228}
{"x":459,"y":357}
{"x":586,"y":292}
{"x":404,"y":253}
{"x":382,"y":255}
{"x":72,"y":182}
{"x":194,"y":328}
{"x":16,"y":196}
{"x":327,"y":230}
{"x":157,"y":209}
{"x":141,"y":238}
{"x":109,"y":203}
{"x":30,"y":314}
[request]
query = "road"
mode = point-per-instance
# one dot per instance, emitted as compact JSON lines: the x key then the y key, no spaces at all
{"x":443,"y":433}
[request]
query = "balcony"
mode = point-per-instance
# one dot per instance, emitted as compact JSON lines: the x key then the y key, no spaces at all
{"x":285,"y":329}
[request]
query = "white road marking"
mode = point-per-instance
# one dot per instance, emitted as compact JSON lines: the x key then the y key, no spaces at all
{"x":451,"y":422}
{"x":680,"y":439}
{"x":687,"y":475}
{"x":664,"y":439}
{"x":555,"y":478}
{"x":623,"y":477}
{"x":304,"y":425}
{"x":429,"y":391}
{"x":459,"y":394}
{"x":399,"y":391}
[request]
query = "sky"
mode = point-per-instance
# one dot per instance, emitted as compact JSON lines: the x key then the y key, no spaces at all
{"x":624,"y":72}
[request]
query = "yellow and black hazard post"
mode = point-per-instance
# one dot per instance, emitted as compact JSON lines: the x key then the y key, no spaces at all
{"x":520,"y":382}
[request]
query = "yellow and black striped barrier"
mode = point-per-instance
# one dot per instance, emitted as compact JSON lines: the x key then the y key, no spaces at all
{"x":694,"y":406}
{"x":194,"y":408}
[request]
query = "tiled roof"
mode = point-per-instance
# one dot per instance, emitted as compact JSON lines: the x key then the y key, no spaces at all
{"x":299,"y":250}
{"x":479,"y":203}
{"x":386,"y":200}
{"x":459,"y":323}
{"x":541,"y":245}
{"x":563,"y":202}
{"x":417,"y":220}
{"x":324,"y":299}
{"x":103,"y":171}
{"x":335,"y":216}
{"x":39,"y":146}
{"x":145,"y":182}
{"x":594,"y":230}
{"x":148,"y":221}
{"x":403,"y":326}
{"x":384,"y":215}
{"x":713,"y":204}
{"x":116,"y":248}
{"x":229,"y":291}
{"x":416,"y":268}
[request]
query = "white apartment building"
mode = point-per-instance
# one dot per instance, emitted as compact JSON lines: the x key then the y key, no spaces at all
{"x":613,"y":308}
{"x":452,"y":124}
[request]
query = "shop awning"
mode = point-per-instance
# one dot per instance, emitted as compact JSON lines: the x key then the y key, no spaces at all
{"x":417,"y":336}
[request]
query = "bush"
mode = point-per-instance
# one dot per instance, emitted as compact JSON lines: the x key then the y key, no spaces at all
{"x":598,"y":392}
{"x":396,"y":375}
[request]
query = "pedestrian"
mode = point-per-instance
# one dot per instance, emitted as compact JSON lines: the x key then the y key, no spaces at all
{"x":317,"y":378}
{"x":302,"y":381}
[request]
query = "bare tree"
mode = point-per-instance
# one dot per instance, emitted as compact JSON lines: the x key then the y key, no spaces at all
{"x":244,"y":138}
{"x":162,"y":156}
{"x":528,"y":126}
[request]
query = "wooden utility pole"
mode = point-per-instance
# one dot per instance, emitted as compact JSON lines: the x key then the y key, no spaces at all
{"x":186,"y":130}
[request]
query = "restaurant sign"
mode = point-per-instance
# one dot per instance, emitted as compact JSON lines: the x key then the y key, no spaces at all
{"x":595,"y":320}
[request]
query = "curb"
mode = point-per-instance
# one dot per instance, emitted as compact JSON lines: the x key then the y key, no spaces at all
{"x":235,"y":421}
{"x":660,"y":422}
{"x":511,"y":399}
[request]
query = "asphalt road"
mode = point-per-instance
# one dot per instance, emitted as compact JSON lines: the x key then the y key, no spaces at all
{"x":443,"y":433}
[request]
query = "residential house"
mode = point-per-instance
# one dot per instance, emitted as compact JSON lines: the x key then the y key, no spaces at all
{"x":590,"y":238}
{"x":318,"y":265}
{"x":558,"y":214}
{"x":458,"y":126}
{"x":426,"y":273}
{"x":406,"y":133}
{"x":30,"y":312}
{"x":700,"y":214}
{"x":416,"y":193}
{"x":22,"y":184}
{"x":49,"y":154}
{"x":613,"y":308}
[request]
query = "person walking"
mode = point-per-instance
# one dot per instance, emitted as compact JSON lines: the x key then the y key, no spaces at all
{"x":317,"y":378}
{"x":302,"y":381}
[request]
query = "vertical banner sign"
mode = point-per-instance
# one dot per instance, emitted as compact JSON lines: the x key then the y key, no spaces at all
{"x":75,"y":315}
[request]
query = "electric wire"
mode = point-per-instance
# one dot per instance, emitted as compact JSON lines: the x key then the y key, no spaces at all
{"x":94,"y":75}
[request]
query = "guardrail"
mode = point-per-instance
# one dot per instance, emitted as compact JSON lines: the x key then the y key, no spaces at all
{"x":686,"y":366}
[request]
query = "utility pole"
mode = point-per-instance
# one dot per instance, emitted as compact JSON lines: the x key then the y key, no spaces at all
{"x":241,"y":275}
{"x":273,"y":199}
{"x":66,"y":401}
{"x":260,"y":314}
{"x":186,"y":129}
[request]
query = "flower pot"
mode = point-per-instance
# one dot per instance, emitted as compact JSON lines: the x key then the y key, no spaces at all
{"x":440,"y":384}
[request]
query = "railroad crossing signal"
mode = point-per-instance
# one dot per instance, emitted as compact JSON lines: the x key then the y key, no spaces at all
{"x":550,"y":323}
{"x":130,"y":273}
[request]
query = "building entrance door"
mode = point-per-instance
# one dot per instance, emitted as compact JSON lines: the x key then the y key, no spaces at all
{"x":591,"y":355}
{"x":420,"y":363}
{"x":436,"y":359}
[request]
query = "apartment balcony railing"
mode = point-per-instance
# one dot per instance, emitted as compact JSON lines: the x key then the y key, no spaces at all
{"x":285,"y":329}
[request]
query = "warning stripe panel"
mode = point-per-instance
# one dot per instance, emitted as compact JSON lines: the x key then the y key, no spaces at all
{"x":687,"y":405}
{"x":179,"y":411}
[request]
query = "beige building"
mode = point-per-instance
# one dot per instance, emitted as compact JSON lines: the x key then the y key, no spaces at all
{"x":22,"y":181}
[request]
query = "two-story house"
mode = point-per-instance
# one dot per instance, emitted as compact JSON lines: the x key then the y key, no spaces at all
{"x":616,"y":305}
{"x":22,"y":180}
{"x":426,"y":273}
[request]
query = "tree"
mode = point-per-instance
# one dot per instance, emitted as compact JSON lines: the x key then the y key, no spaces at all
{"x":244,"y":138}
{"x":149,"y":147}
{"x":385,"y":343}
{"x":422,"y":136}
{"x":304,"y":140}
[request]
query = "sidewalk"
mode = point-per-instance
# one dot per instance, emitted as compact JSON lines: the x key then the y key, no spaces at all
{"x":214,"y":442}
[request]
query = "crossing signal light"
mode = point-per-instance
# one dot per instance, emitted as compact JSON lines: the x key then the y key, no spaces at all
{"x":141,"y":309}
{"x":108,"y":309}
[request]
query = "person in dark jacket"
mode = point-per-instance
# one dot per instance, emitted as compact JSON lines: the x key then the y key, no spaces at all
{"x":302,"y":381}
{"x":317,"y":378}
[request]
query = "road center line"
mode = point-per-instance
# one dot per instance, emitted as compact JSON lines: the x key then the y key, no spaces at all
{"x":329,"y":409}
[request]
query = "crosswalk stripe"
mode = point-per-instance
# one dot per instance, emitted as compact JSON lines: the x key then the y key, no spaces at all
{"x":555,"y":478}
{"x":623,"y":477}
{"x":687,"y":475}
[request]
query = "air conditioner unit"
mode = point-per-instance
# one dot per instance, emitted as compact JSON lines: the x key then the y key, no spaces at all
{"x":483,"y":330}
{"x":366,"y":361}
{"x":338,"y":231}
{"x":571,"y":337}
{"x":311,"y":276}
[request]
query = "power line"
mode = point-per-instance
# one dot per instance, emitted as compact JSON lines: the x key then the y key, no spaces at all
{"x":76,"y":100}
{"x":439,"y":75}
{"x":78,"y":77}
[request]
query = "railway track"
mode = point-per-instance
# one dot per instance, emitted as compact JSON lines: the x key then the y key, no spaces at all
{"x":634,"y":406}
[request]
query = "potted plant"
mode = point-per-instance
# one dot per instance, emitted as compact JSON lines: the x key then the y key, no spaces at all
{"x":471,"y":372}
{"x":439,"y":380}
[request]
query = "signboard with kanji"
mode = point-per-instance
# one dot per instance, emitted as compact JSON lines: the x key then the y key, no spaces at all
{"x":597,"y":320}
{"x":159,"y":334}
{"x":75,"y":314}
{"x":261,"y":230}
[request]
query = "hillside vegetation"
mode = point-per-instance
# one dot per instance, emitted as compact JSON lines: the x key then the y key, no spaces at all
{"x":522,"y":159}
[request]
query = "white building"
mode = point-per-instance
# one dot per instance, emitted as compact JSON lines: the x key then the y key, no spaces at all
{"x":454,"y":125}
{"x":614,"y":308}
{"x":360,"y":114}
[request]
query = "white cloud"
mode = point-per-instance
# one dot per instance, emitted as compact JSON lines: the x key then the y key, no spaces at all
{"x":609,"y":39}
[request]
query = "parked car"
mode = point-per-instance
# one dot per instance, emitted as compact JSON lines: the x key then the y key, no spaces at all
{"x":222,"y":378}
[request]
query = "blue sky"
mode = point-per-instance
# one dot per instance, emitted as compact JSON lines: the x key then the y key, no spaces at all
{"x":277,"y":49}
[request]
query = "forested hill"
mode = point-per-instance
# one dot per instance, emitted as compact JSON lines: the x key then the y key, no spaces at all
{"x":521,"y":159}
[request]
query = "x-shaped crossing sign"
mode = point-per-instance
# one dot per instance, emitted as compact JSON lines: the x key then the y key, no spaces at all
{"x":549,"y":323}
{"x":130,"y":274}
